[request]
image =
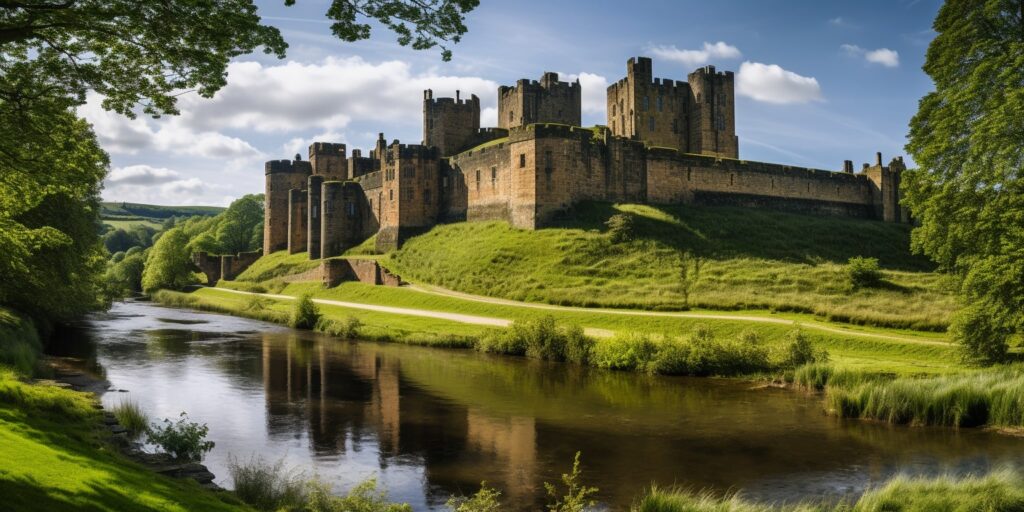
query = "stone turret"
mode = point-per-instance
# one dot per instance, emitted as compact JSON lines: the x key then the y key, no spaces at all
{"x":449,"y":124}
{"x":281,"y":177}
{"x":546,"y":101}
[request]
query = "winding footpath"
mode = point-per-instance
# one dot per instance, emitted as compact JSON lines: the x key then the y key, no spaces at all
{"x":591,"y":331}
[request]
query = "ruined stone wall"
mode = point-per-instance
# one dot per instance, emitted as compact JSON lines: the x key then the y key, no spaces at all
{"x":478,"y":184}
{"x":712,"y":116}
{"x":298,"y":220}
{"x":281,"y":177}
{"x":450,"y":124}
{"x":546,"y":101}
{"x":209,"y":265}
{"x":232,"y":265}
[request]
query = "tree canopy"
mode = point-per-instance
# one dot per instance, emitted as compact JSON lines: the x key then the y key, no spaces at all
{"x":968,"y":194}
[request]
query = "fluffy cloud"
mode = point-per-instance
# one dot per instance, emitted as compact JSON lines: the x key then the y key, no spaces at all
{"x":158,"y":185}
{"x":719,"y":50}
{"x":141,"y":175}
{"x":771,"y":83}
{"x":883,"y":56}
{"x":594,"y":91}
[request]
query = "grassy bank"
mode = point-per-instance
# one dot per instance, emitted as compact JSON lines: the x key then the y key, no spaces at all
{"x":20,"y":346}
{"x":990,"y":397}
{"x":752,"y":259}
{"x":997,"y":492}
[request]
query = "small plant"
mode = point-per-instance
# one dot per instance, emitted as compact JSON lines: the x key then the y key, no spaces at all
{"x":184,"y":440}
{"x":577,"y":497}
{"x":801,"y":351}
{"x":621,"y":228}
{"x":863,"y":272}
{"x":256,"y":303}
{"x":689,"y":274}
{"x":350,"y":329}
{"x":305,"y":314}
{"x":364,"y":497}
{"x":485,"y":500}
{"x":267,"y":486}
{"x":130,"y":416}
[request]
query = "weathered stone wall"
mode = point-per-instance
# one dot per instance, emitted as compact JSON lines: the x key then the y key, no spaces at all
{"x":207,"y":264}
{"x":298,"y":220}
{"x":328,"y":159}
{"x":713,"y":113}
{"x":281,"y":177}
{"x":478,"y":184}
{"x":450,"y":124}
{"x":546,"y":101}
{"x":314,"y":203}
{"x":232,"y":265}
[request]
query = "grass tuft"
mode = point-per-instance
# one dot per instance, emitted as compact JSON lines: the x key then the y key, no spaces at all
{"x":131,"y":416}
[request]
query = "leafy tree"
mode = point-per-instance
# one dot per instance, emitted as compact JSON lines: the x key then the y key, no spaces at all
{"x":238,"y":222}
{"x":118,"y":240}
{"x":863,"y":272}
{"x":968,"y":194}
{"x":169,"y":264}
{"x":689,"y":274}
{"x":124,"y":277}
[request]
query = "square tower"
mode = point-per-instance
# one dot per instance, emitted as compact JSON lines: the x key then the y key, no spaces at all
{"x":449,"y":124}
{"x":547,"y":101}
{"x":713,"y":113}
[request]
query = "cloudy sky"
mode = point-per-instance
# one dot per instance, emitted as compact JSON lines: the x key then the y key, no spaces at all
{"x":817,"y":83}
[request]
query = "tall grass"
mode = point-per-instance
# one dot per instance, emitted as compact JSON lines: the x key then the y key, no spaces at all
{"x":51,"y":402}
{"x":131,"y":416}
{"x":982,"y":397}
{"x":542,"y":339}
{"x":19,"y":342}
{"x":999,"y":491}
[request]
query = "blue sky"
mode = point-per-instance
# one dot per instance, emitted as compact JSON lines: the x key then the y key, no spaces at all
{"x":818,"y":82}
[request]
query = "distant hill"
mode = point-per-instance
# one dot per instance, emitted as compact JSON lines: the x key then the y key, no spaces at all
{"x":124,"y":215}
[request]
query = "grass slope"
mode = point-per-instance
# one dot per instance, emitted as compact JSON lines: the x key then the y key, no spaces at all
{"x":126,"y":215}
{"x":753,"y":259}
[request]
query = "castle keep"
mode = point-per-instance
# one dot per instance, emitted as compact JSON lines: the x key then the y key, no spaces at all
{"x":666,"y":141}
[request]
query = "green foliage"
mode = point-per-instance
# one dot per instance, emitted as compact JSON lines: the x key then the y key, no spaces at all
{"x":124,"y":277}
{"x":365,"y":497}
{"x":350,"y":329}
{"x":632,"y":352}
{"x":20,"y":347}
{"x":801,"y":351}
{"x":576,"y":497}
{"x":484,"y":500}
{"x":539,"y":338}
{"x":131,"y":416}
{"x":45,"y":401}
{"x":985,"y":397}
{"x":239,"y":223}
{"x":305,"y":314}
{"x":620,"y":228}
{"x":184,"y":440}
{"x":169,"y":264}
{"x":968,"y":195}
{"x":268,"y":487}
{"x":689,"y":274}
{"x":863,"y":272}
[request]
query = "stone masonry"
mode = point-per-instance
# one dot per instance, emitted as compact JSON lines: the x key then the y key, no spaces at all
{"x":666,"y":141}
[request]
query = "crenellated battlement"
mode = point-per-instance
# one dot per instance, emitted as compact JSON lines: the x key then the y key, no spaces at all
{"x":547,"y":100}
{"x":327,"y":148}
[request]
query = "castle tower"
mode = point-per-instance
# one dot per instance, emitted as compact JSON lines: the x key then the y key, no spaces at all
{"x":885,"y":189}
{"x":547,"y":101}
{"x":328,"y":160}
{"x":410,"y":197}
{"x":281,"y":177}
{"x":713,"y":113}
{"x":298,"y":227}
{"x":449,"y":124}
{"x":313,"y":202}
{"x":340,"y":218}
{"x":652,"y":110}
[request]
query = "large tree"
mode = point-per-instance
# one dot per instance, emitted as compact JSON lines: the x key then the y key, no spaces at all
{"x":968,"y":193}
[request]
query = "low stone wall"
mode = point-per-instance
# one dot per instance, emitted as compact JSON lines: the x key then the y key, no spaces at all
{"x":334,"y":271}
{"x":226,"y":267}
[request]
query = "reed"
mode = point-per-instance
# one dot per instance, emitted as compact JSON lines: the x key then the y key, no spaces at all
{"x":131,"y":416}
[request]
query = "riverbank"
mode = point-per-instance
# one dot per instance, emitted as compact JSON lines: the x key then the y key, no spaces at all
{"x":57,"y":454}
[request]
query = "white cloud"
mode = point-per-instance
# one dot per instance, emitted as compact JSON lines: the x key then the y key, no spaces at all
{"x":140,"y":175}
{"x":593,"y":89}
{"x":884,"y":56}
{"x":156,"y":185}
{"x":772,"y":84}
{"x":719,"y":50}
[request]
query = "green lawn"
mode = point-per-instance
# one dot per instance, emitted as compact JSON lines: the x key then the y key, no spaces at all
{"x":752,"y":259}
{"x":128,"y":224}
{"x":52,"y":457}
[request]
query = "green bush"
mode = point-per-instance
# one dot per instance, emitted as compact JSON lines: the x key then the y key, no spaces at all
{"x":184,"y":440}
{"x":621,"y":228}
{"x":364,"y":497}
{"x":863,"y":272}
{"x":801,"y":351}
{"x":576,"y":497}
{"x":20,"y":347}
{"x":305,"y":314}
{"x":542,"y":338}
{"x":631,"y":351}
{"x":485,"y":500}
{"x":577,"y":345}
{"x":350,"y":329}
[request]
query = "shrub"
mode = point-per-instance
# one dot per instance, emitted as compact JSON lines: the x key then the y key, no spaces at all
{"x":364,"y":497}
{"x":305,"y":314}
{"x":631,"y":351}
{"x":621,"y":228}
{"x":863,"y":272}
{"x":184,"y":440}
{"x":350,"y":329}
{"x":982,"y":340}
{"x":485,"y":500}
{"x":577,"y":497}
{"x":541,"y":338}
{"x":801,"y":351}
{"x":267,"y":486}
{"x":577,"y":345}
{"x":501,"y":342}
{"x":130,"y":415}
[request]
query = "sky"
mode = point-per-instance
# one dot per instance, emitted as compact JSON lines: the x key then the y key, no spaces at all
{"x":818,"y":82}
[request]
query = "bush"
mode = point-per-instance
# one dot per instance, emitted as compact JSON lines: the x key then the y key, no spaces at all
{"x":485,"y":500}
{"x":577,"y":345}
{"x":863,"y":272}
{"x":631,"y":351}
{"x":184,"y":440}
{"x":621,"y":228}
{"x":364,"y":497}
{"x":350,"y":329}
{"x":267,"y":486}
{"x":130,"y":415}
{"x":801,"y":351}
{"x":577,"y":497}
{"x":305,"y":314}
{"x":541,"y":339}
{"x":982,"y":340}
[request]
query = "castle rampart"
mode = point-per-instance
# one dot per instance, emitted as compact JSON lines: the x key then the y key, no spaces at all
{"x":667,"y":142}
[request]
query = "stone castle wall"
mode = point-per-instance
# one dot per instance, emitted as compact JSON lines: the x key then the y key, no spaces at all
{"x":544,"y":101}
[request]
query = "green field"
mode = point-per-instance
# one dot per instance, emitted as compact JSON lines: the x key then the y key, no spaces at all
{"x":127,"y":215}
{"x":752,"y":259}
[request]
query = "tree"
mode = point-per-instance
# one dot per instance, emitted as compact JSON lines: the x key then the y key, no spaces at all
{"x":968,"y":193}
{"x":235,"y":232}
{"x":689,"y":274}
{"x":169,"y":264}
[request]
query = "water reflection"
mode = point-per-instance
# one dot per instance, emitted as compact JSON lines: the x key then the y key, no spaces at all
{"x":430,"y":422}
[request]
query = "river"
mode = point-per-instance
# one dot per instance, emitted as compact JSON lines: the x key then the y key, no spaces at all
{"x":429,"y":422}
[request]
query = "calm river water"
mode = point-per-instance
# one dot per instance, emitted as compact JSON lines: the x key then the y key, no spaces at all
{"x":431,"y":422}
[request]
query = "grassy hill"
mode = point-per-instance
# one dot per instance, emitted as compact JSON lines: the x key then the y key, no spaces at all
{"x":752,"y":259}
{"x":125,"y":215}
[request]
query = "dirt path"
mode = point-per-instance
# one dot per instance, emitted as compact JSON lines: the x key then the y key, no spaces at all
{"x":591,"y":331}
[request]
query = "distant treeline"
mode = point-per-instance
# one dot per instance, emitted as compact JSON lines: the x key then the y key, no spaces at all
{"x":124,"y":211}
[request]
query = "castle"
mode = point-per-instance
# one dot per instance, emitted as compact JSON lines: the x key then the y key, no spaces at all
{"x":666,"y":141}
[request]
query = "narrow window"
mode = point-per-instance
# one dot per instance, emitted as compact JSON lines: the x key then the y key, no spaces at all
{"x":732,"y":179}
{"x":522,"y":159}
{"x":646,"y":103}
{"x":444,"y":182}
{"x":773,"y":183}
{"x":661,"y":103}
{"x":478,"y":180}
{"x":613,"y":109}
{"x":511,"y":116}
{"x":650,"y":124}
{"x":547,"y":175}
{"x":314,"y":211}
{"x":548,"y":163}
{"x":808,"y":186}
{"x":494,"y":177}
{"x":391,"y":194}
